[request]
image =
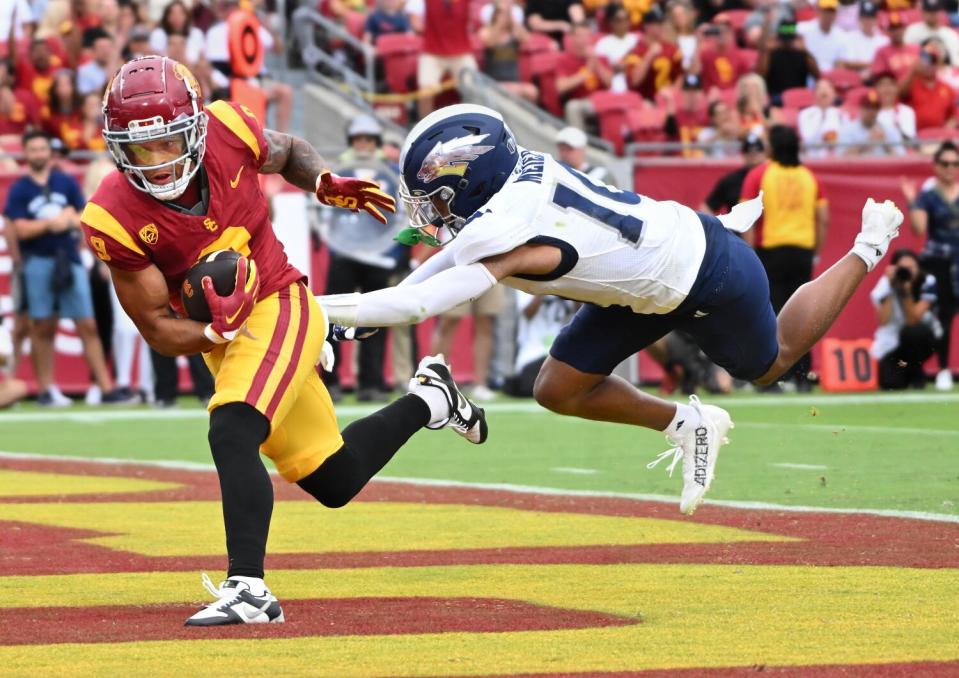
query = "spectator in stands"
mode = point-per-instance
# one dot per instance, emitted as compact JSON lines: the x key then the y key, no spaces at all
{"x":752,"y":104}
{"x":44,"y":206}
{"x":819,"y":124}
{"x":92,"y":76}
{"x":793,"y":226}
{"x":681,"y":30}
{"x":555,"y":17}
{"x":892,"y":113}
{"x":63,"y":116}
{"x":933,"y":100}
{"x":934,"y":212}
{"x":580,"y":72}
{"x":18,"y":107}
{"x":685,"y":121}
{"x":931,"y":27}
{"x":571,"y":145}
{"x":216,"y":50}
{"x":541,"y":317}
{"x":722,"y":134}
{"x":862,"y":45}
{"x":721,"y":62}
{"x":728,"y":190}
{"x":784,"y":62}
{"x":616,"y":47}
{"x":35,"y":73}
{"x":905,"y":299}
{"x":706,"y":10}
{"x":176,"y":20}
{"x":503,"y":34}
{"x":767,"y":17}
{"x":656,"y":63}
{"x":867,"y":135}
{"x":897,"y":57}
{"x":91,"y":124}
{"x":446,"y":45}
{"x":385,"y":19}
{"x":138,"y":43}
{"x":822,"y":38}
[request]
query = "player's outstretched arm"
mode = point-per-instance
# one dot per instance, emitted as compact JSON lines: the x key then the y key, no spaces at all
{"x":143,"y":295}
{"x":411,"y":303}
{"x":301,"y":165}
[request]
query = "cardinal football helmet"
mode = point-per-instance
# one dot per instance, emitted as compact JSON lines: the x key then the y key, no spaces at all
{"x":458,"y":156}
{"x":150,"y":99}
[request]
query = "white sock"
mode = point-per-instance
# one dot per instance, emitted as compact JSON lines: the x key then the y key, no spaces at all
{"x":434,"y":399}
{"x":257,"y":585}
{"x":686,"y":419}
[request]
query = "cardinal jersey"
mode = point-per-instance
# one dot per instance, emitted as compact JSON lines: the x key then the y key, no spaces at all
{"x":130,"y":230}
{"x":620,"y":248}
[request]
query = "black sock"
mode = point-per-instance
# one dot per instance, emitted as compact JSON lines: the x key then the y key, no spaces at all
{"x":368,"y":444}
{"x":236,"y":431}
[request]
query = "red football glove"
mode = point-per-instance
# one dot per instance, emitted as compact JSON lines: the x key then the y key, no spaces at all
{"x":353,"y":194}
{"x":230,"y":312}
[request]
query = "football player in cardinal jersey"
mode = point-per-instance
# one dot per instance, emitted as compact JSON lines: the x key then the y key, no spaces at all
{"x":186,"y":185}
{"x":643,"y":267}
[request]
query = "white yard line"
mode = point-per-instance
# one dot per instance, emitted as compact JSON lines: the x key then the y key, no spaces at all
{"x":802,"y":467}
{"x":853,"y":428}
{"x":508,"y":407}
{"x":575,"y":471}
{"x":530,"y":489}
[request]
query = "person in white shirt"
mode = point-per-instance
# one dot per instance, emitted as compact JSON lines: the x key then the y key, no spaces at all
{"x":541,"y":318}
{"x":819,"y":124}
{"x":823,"y":39}
{"x":930,"y":27}
{"x":15,"y":14}
{"x":176,"y":21}
{"x":866,"y":135}
{"x":892,"y":112}
{"x":861,"y":46}
{"x":616,"y":46}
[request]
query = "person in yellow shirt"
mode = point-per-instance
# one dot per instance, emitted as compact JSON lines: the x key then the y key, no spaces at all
{"x":791,"y":232}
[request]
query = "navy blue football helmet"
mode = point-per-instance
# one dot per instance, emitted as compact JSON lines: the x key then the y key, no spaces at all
{"x":458,"y":156}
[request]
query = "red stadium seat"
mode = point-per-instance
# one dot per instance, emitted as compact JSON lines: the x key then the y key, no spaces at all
{"x":537,"y":43}
{"x":735,"y":17}
{"x":750,"y":58}
{"x":399,"y":52}
{"x":798,"y":97}
{"x":909,"y":16}
{"x":355,"y":22}
{"x":938,"y":133}
{"x":542,"y":68}
{"x":611,"y":109}
{"x":843,"y":79}
{"x":789,"y":116}
{"x":854,"y":96}
{"x":646,"y":123}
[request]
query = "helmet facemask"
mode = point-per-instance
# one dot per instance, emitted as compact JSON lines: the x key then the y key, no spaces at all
{"x":135,"y":153}
{"x":425,"y":216}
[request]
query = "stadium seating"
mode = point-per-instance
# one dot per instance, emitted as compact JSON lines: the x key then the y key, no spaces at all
{"x":798,"y":97}
{"x":537,"y":43}
{"x":938,"y":133}
{"x":843,"y":79}
{"x":543,"y":74}
{"x":399,"y":53}
{"x":611,"y":109}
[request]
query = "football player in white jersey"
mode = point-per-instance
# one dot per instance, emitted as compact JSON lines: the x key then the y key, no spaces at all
{"x":642,"y":267}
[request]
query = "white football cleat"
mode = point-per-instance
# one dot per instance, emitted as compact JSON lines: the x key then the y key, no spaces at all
{"x":699,"y":450}
{"x":236,"y":603}
{"x":944,"y":380}
{"x":463,"y":417}
{"x":880,"y":224}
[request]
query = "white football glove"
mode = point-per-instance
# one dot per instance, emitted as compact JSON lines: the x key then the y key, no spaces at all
{"x":742,"y":216}
{"x":880,"y":224}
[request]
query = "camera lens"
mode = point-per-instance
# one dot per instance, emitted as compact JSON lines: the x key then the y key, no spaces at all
{"x":903,"y":274}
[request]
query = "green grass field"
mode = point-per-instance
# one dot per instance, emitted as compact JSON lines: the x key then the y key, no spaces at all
{"x":887,"y":452}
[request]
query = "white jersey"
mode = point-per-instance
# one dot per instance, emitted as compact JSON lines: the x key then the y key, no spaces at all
{"x":619,"y":248}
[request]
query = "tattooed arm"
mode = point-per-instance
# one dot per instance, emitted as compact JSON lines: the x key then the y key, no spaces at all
{"x":293,"y":158}
{"x":299,"y":163}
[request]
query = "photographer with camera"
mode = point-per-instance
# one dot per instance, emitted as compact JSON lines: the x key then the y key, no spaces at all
{"x":908,"y":328}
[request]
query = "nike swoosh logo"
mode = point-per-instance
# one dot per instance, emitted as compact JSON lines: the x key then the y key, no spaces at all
{"x":231,"y":318}
{"x":236,"y":182}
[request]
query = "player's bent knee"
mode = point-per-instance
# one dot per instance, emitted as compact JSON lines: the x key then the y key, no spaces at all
{"x":235,"y":427}
{"x":336,"y":481}
{"x":550,"y":393}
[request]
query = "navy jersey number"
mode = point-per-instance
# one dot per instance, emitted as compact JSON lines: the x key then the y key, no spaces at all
{"x":630,"y":228}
